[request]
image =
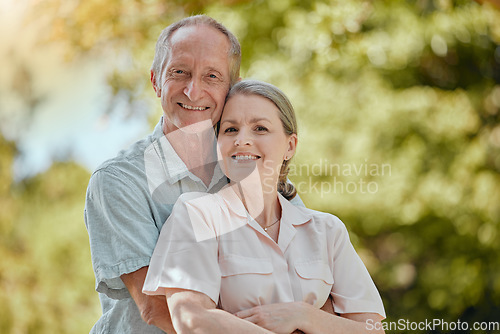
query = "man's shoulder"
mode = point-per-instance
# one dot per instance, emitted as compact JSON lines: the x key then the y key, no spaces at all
{"x":130,"y":158}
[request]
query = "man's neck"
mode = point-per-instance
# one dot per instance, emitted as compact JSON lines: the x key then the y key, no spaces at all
{"x":196,"y":148}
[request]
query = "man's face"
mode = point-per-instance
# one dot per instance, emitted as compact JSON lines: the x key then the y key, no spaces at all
{"x":195,"y":79}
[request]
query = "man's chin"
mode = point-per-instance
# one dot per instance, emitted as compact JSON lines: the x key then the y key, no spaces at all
{"x":197,"y":127}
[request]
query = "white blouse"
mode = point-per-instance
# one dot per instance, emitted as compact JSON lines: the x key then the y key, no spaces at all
{"x":210,"y":244}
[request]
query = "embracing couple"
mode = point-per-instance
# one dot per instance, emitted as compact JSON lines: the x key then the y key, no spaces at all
{"x":196,"y":229}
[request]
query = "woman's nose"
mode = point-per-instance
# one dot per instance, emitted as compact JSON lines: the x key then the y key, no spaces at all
{"x":242,"y":139}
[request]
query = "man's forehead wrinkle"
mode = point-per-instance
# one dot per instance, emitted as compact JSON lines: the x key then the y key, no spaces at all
{"x":194,"y":39}
{"x":189,"y":34}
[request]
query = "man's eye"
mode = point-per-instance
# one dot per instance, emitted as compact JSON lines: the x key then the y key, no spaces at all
{"x":177,"y":72}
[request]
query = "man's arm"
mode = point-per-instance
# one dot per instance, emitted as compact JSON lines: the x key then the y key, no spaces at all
{"x":153,"y":309}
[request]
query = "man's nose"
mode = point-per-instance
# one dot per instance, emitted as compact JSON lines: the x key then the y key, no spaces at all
{"x":193,"y":89}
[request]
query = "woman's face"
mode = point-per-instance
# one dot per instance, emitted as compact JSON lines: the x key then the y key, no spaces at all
{"x":252,"y":135}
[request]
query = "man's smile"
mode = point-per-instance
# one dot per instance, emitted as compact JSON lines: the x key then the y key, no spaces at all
{"x":185,"y":106}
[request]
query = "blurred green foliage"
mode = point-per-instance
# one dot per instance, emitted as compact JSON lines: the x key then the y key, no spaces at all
{"x":47,"y":283}
{"x":399,"y":135}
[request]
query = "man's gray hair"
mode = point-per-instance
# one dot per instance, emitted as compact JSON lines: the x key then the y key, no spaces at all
{"x":163,"y":46}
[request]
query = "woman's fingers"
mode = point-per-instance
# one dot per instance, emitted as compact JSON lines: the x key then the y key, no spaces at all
{"x":245,"y":313}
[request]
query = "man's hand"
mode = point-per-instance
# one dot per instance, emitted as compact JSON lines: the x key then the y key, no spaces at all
{"x":153,"y":309}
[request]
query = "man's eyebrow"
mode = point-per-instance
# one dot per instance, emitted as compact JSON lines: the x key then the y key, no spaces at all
{"x":173,"y":67}
{"x":213,"y":69}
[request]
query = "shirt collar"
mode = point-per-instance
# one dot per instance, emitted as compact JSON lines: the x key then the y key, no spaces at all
{"x":289,"y":212}
{"x":232,"y":201}
{"x":174,"y":167}
{"x":218,"y":175}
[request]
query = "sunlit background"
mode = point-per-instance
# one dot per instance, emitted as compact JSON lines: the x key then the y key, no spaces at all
{"x":399,"y":135}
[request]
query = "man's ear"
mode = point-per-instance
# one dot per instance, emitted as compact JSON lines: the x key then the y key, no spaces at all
{"x":155,"y":87}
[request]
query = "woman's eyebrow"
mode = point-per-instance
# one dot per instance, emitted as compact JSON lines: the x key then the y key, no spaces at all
{"x":228,"y":121}
{"x":259,"y":119}
{"x":253,"y":120}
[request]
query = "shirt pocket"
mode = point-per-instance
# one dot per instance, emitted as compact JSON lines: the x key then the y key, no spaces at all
{"x":315,"y":280}
{"x":245,"y":282}
{"x":314,"y":270}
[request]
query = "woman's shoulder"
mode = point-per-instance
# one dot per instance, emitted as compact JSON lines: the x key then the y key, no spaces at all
{"x":326,"y":219}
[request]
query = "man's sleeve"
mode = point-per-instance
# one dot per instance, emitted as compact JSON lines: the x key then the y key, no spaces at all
{"x":121,"y":229}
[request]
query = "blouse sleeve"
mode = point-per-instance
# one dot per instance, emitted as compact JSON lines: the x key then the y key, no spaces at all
{"x":185,"y":256}
{"x":353,"y":290}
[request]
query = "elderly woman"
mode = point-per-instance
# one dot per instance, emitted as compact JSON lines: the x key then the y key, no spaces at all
{"x":245,"y":259}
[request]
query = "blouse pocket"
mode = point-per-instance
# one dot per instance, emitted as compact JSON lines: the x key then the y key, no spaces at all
{"x":315,"y":280}
{"x":245,"y":282}
{"x":238,"y":265}
{"x":317,"y":270}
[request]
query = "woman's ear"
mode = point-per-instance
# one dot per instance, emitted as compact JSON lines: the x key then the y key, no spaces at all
{"x":292,"y":146}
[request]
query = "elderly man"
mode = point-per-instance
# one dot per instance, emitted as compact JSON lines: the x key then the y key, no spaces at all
{"x":130,"y":196}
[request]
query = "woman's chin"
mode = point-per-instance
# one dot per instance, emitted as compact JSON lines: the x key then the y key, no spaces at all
{"x":240,"y":175}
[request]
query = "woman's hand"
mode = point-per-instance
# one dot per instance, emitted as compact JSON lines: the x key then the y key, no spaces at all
{"x":281,"y":318}
{"x":300,"y":317}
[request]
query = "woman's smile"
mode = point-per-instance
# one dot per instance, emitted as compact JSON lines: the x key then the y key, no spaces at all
{"x":245,"y":157}
{"x":251,"y":135}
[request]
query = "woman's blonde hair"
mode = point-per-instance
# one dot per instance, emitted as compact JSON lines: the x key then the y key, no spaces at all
{"x":287,"y":117}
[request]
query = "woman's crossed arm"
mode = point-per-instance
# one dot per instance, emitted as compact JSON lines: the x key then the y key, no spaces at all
{"x":286,"y":317}
{"x":194,"y":312}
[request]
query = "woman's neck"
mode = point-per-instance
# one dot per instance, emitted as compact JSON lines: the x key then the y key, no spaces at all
{"x":261,"y":202}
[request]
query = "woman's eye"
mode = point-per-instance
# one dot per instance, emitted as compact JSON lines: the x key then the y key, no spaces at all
{"x":230,"y":130}
{"x":260,"y":128}
{"x":179,"y":72}
{"x":212,"y":76}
